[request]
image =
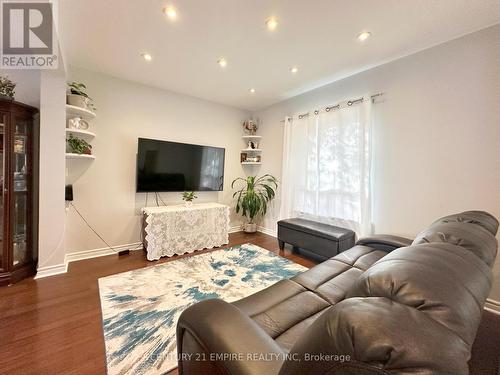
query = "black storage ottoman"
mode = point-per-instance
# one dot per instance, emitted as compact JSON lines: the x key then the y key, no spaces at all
{"x":315,"y":240}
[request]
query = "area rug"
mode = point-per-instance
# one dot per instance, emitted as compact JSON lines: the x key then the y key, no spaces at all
{"x":140,"y":308}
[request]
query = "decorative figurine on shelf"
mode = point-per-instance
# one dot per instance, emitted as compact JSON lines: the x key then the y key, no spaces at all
{"x":252,"y":145}
{"x":7,"y":88}
{"x":77,"y":123}
{"x":250,"y":126}
{"x":188,"y":197}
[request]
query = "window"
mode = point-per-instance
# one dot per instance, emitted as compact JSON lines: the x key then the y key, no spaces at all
{"x":326,"y":174}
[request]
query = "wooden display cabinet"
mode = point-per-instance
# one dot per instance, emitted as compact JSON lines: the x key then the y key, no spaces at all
{"x":19,"y":184}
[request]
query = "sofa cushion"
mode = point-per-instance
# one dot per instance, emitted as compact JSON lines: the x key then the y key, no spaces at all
{"x":281,"y":306}
{"x":359,"y":257}
{"x":380,"y":337}
{"x":288,"y":338}
{"x":262,"y":301}
{"x":475,"y":238}
{"x":288,"y":313}
{"x":481,"y":218}
{"x":444,"y":281}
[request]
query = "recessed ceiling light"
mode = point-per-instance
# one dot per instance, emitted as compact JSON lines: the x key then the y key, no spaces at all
{"x":272,"y":23}
{"x":294,"y":69}
{"x":147,"y":56}
{"x":252,"y":91}
{"x":364,"y":35}
{"x":222,"y":62}
{"x":170,"y":11}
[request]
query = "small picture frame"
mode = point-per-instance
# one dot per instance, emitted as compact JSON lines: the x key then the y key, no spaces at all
{"x":243,"y":157}
{"x":19,"y":146}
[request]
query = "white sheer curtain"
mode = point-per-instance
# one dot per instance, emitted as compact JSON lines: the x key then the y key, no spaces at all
{"x":327,"y":167}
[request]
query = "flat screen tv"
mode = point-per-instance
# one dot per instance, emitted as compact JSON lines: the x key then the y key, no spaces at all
{"x":169,"y":166}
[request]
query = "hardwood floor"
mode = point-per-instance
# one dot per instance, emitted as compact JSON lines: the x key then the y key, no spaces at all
{"x":53,"y":325}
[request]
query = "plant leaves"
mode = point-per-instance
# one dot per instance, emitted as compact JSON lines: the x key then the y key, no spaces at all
{"x":253,"y":198}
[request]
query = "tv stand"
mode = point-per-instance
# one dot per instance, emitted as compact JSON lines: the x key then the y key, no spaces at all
{"x":171,"y":230}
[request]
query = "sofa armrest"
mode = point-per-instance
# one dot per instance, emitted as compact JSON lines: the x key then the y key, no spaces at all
{"x":385,"y":242}
{"x":215,"y":337}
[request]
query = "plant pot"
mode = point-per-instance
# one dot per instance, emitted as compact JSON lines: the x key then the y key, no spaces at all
{"x":6,"y":97}
{"x":188,"y":203}
{"x":77,"y":101}
{"x":250,"y":228}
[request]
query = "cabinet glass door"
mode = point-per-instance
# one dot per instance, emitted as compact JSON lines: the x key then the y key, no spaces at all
{"x":3,"y":125}
{"x":20,"y":187}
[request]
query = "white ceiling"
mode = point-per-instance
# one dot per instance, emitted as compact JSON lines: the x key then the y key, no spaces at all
{"x":318,"y":36}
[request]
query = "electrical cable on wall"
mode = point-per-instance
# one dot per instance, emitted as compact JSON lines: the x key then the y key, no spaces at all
{"x":100,"y":237}
{"x":159,"y":196}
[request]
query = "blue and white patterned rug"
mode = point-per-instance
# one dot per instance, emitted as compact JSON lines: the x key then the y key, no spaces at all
{"x":140,"y":308}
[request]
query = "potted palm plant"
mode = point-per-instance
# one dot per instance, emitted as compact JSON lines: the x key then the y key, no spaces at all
{"x":252,"y":198}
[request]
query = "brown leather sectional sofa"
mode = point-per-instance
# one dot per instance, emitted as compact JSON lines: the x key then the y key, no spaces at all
{"x":388,"y":305}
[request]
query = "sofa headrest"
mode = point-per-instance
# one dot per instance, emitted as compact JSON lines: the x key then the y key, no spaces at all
{"x":472,"y":230}
{"x":481,"y":218}
{"x":444,"y":281}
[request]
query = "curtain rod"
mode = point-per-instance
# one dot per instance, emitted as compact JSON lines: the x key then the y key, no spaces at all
{"x":337,"y":106}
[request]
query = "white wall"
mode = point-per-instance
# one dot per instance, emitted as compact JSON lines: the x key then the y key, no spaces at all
{"x":52,"y":252}
{"x":104,"y":190}
{"x":436,"y":135}
{"x":27,"y":85}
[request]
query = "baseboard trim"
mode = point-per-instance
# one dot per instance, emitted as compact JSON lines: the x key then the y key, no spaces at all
{"x":267,"y":231}
{"x":81,"y":255}
{"x":234,"y":229}
{"x":239,"y":228}
{"x":58,"y":269}
{"x":96,"y":253}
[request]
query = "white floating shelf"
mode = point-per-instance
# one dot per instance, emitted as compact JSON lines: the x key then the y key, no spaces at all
{"x":251,"y":163}
{"x":252,"y":137}
{"x":251,"y":150}
{"x":74,"y":111}
{"x":70,"y":155}
{"x":79,"y":132}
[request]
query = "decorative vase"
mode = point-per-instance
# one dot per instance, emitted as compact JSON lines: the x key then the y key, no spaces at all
{"x":77,"y":100}
{"x":250,"y":228}
{"x":188,"y":203}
